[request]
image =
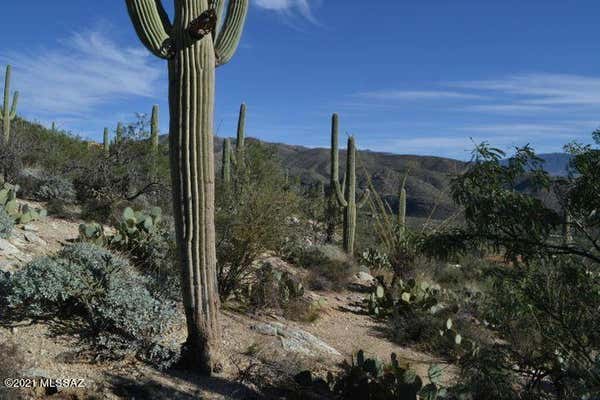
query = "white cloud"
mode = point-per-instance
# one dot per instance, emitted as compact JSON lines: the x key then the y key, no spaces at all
{"x":79,"y":74}
{"x":543,"y":89}
{"x":417,"y":95}
{"x":288,"y":7}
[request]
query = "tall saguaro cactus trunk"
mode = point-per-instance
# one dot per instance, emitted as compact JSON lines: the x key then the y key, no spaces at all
{"x":194,"y":44}
{"x":345,"y":193}
{"x":154,"y":129}
{"x":8,"y":113}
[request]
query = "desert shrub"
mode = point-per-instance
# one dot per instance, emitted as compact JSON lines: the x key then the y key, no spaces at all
{"x":107,"y":182}
{"x":6,"y":224}
{"x":271,"y":288}
{"x":329,"y":267}
{"x":55,"y":188}
{"x":89,"y":284}
{"x":253,"y":215}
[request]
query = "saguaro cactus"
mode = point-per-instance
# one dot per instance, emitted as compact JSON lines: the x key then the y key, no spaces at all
{"x":402,"y":208}
{"x":106,"y":141}
{"x":154,"y":129}
{"x":193,"y":44}
{"x":8,"y":113}
{"x":119,"y":133}
{"x":346,"y":198}
{"x":228,"y":156}
{"x":226,"y":162}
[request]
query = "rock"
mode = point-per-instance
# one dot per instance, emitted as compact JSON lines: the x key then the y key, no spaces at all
{"x":7,"y":248}
{"x":364,"y":278}
{"x":30,"y":228}
{"x":33,"y":238}
{"x":296,"y":340}
{"x":7,"y":266}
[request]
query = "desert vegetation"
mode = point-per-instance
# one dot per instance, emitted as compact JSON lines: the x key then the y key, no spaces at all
{"x":198,"y":256}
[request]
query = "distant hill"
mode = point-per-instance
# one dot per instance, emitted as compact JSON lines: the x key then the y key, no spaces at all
{"x":556,"y":164}
{"x":427,"y":183}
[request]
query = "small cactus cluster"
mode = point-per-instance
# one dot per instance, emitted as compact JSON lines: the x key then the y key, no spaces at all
{"x":8,"y":113}
{"x":21,"y":214}
{"x":383,"y":301}
{"x":369,"y":378}
{"x":345,"y":193}
{"x":92,"y":233}
{"x":132,"y":225}
{"x":229,"y":157}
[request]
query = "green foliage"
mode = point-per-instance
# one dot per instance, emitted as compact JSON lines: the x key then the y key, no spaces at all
{"x":369,"y":379}
{"x":252,"y":216}
{"x":89,"y":284}
{"x":330,"y":268}
{"x":6,"y":224}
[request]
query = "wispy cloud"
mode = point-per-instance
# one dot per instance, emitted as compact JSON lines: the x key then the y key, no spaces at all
{"x":417,"y":95}
{"x":80,"y":74}
{"x":288,"y":7}
{"x":543,"y":89}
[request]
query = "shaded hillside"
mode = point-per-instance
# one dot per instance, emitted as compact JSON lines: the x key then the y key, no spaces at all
{"x":427,"y":183}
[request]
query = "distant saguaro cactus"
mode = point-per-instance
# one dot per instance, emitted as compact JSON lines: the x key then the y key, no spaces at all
{"x":106,"y":141}
{"x":226,"y":162}
{"x":154,"y":130}
{"x":402,"y":208}
{"x":229,"y":157}
{"x":119,"y":133}
{"x":346,"y":198}
{"x":8,"y":113}
{"x":193,"y":44}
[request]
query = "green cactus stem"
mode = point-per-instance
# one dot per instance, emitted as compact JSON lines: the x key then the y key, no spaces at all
{"x":106,"y":141}
{"x":8,"y":113}
{"x":226,"y":162}
{"x":119,"y":133}
{"x":53,"y":129}
{"x":402,"y":208}
{"x":346,"y":197}
{"x":241,"y":129}
{"x":154,"y":130}
{"x":194,"y":44}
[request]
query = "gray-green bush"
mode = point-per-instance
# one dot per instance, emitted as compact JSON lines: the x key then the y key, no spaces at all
{"x":89,"y":284}
{"x":6,"y":224}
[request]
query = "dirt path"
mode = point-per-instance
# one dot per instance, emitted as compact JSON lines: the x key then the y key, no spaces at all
{"x":341,"y":325}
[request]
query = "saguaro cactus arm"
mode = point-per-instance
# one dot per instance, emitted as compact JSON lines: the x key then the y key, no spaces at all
{"x":230,"y":32}
{"x":152,"y":25}
{"x":13,"y":109}
{"x":363,"y":199}
{"x":335,"y":164}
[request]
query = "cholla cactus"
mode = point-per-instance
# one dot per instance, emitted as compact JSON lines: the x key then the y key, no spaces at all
{"x":8,"y":113}
{"x":197,"y":41}
{"x":346,"y":198}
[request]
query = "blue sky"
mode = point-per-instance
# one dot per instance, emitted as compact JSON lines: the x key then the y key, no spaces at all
{"x":406,"y":76}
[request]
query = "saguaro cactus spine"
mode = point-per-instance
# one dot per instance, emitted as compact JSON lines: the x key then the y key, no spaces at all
{"x":346,"y":198}
{"x":194,"y":44}
{"x":106,"y":141}
{"x":8,"y":113}
{"x":154,"y":129}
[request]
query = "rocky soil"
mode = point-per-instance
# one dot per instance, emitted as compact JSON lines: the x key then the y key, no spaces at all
{"x":257,"y":347}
